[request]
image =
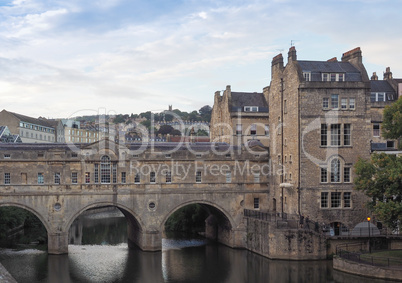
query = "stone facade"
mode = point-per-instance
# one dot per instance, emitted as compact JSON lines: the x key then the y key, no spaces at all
{"x":147,"y":182}
{"x":321,"y":114}
{"x":238,"y":118}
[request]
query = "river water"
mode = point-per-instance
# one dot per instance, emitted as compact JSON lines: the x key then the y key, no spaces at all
{"x":98,"y":252}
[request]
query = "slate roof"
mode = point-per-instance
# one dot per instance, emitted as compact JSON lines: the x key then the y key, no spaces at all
{"x":241,"y":99}
{"x":381,"y":86}
{"x":40,"y":122}
{"x":318,"y":67}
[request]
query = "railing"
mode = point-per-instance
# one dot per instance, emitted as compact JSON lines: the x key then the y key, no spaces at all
{"x":284,"y":221}
{"x":359,"y":252}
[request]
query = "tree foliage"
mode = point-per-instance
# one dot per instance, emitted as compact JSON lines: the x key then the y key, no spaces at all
{"x":381,"y":180}
{"x":190,"y":218}
{"x":392,"y":123}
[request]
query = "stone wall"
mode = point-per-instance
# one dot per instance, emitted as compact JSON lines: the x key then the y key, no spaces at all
{"x":289,"y":244}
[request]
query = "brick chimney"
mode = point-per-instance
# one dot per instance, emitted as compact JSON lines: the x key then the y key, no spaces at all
{"x":352,"y":54}
{"x":277,"y":65}
{"x":292,"y":54}
{"x":354,"y":57}
{"x":388,"y":74}
{"x":374,"y":77}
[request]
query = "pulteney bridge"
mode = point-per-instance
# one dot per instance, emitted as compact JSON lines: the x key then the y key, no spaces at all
{"x":147,"y":182}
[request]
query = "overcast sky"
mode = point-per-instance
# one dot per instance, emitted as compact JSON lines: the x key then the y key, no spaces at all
{"x":63,"y":58}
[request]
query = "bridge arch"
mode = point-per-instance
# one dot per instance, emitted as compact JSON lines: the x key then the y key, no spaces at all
{"x":204,"y":202}
{"x":30,"y":209}
{"x":128,"y":213}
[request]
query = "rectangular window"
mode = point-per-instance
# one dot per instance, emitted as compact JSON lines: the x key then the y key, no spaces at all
{"x":137,"y":178}
{"x":168,"y":177}
{"x":256,"y":203}
{"x":307,"y":76}
{"x":352,"y":103}
{"x":74,"y":177}
{"x":334,"y":101}
{"x":335,"y":199}
{"x":346,"y":174}
{"x":267,"y":130}
{"x":341,"y":77}
{"x":7,"y":178}
{"x":380,"y":97}
{"x":152,"y":178}
{"x":346,"y":134}
{"x":228,"y":177}
{"x":324,"y":199}
{"x":333,"y":77}
{"x":87,"y":177}
{"x":325,"y":77}
{"x":114,"y":173}
{"x":6,"y":155}
{"x":256,"y":177}
{"x":57,"y":178}
{"x":96,"y":173}
{"x":336,"y":134}
{"x":325,"y":102}
{"x":376,"y":130}
{"x":344,"y":103}
{"x":198,"y":177}
{"x":238,"y":129}
{"x":40,"y":178}
{"x":390,"y":144}
{"x":324,"y":130}
{"x":324,"y":175}
{"x":346,"y":199}
{"x":373,"y":97}
{"x":251,"y":108}
{"x":123,"y":177}
{"x":253,"y":129}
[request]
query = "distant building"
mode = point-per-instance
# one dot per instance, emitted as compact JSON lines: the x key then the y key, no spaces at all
{"x":7,"y":137}
{"x":69,"y":130}
{"x":30,"y":130}
{"x":238,"y":117}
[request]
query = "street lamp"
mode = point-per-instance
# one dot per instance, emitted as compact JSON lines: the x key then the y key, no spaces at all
{"x":368,"y":224}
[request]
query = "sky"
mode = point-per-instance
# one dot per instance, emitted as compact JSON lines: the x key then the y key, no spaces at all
{"x":66,"y":58}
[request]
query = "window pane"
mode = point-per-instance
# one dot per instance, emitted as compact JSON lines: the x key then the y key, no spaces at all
{"x":87,"y":177}
{"x":335,"y":173}
{"x":40,"y":178}
{"x":346,"y":199}
{"x":334,"y":101}
{"x":376,"y":130}
{"x":324,"y":176}
{"x":324,"y":199}
{"x":198,"y":177}
{"x":123,"y":177}
{"x":324,"y":135}
{"x":344,"y":103}
{"x":105,"y":170}
{"x":137,"y":178}
{"x":336,"y":134}
{"x":325,"y":102}
{"x":346,"y":134}
{"x":74,"y":177}
{"x":7,"y":178}
{"x":256,"y":203}
{"x":352,"y":103}
{"x":152,"y":178}
{"x":335,"y":199}
{"x":346,"y":174}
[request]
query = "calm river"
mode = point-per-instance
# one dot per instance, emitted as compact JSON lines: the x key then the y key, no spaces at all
{"x":98,"y":252}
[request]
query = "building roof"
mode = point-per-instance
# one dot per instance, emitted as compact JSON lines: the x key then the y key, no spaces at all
{"x":40,"y":122}
{"x":241,"y":99}
{"x":318,"y":67}
{"x":381,"y":86}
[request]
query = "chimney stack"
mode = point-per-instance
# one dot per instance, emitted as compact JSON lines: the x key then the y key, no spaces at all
{"x":374,"y":77}
{"x":388,"y":74}
{"x":292,"y":54}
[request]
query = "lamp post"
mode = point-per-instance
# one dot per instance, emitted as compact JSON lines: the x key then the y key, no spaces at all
{"x":368,"y":224}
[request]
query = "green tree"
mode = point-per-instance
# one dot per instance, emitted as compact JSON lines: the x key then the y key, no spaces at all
{"x":381,"y":180}
{"x":165,"y":129}
{"x":392,"y":123}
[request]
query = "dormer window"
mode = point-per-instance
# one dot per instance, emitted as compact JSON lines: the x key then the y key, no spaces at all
{"x":250,"y":108}
{"x":307,"y":76}
{"x":333,"y":77}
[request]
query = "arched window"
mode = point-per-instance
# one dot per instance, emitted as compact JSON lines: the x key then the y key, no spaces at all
{"x":335,"y":170}
{"x":105,"y":169}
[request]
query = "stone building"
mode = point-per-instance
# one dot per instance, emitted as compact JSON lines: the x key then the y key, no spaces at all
{"x":31,"y":130}
{"x":238,"y":117}
{"x":321,"y":124}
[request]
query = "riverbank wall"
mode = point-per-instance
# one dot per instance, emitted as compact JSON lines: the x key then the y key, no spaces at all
{"x":6,"y":277}
{"x":266,"y":239}
{"x":361,"y":269}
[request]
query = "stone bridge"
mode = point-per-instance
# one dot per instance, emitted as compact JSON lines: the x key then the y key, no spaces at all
{"x":146,"y":182}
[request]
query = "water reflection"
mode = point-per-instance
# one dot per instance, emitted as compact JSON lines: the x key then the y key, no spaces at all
{"x":107,"y":258}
